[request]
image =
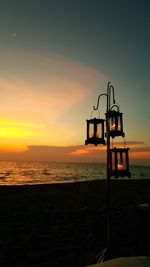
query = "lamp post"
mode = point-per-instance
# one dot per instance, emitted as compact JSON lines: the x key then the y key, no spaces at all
{"x":117,"y":163}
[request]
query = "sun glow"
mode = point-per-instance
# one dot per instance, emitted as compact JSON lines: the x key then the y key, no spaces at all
{"x":15,"y":135}
{"x":18,"y":129}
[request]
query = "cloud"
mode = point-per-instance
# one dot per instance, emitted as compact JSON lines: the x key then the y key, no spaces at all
{"x":57,"y":66}
{"x":52,"y":79}
{"x":87,"y":150}
{"x":135,"y":143}
{"x":57,"y":154}
{"x":72,"y":154}
{"x":140,"y":149}
{"x":79,"y":152}
{"x":53,"y":154}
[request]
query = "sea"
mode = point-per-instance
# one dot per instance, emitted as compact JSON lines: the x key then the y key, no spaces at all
{"x":30,"y":173}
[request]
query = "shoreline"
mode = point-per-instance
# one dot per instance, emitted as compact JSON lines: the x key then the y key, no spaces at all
{"x":119,"y":179}
{"x":65,"y":224}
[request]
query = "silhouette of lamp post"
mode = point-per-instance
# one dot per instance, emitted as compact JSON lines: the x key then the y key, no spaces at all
{"x":117,"y":158}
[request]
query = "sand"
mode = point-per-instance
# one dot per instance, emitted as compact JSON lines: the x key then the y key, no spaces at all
{"x":65,"y":224}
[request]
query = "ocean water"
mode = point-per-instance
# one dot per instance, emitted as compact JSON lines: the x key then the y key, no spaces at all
{"x":21,"y":173}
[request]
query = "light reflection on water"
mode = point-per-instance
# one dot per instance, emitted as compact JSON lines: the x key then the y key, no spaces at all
{"x":20,"y":173}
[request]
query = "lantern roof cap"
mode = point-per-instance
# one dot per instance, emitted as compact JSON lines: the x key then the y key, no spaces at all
{"x":119,"y":148}
{"x":95,"y":120}
{"x":114,"y":112}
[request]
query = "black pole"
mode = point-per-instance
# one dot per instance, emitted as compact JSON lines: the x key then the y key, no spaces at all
{"x":108,"y":188}
{"x":108,"y":199}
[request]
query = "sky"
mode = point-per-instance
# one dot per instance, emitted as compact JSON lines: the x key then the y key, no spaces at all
{"x":56,"y":57}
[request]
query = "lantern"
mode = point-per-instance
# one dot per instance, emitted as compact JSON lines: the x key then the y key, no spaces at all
{"x":95,"y":132}
{"x":119,"y":162}
{"x":115,"y":122}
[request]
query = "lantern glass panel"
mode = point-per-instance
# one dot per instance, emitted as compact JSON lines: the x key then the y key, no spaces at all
{"x":113,"y":162}
{"x":112,"y":124}
{"x":121,"y":162}
{"x":119,"y":123}
{"x":91,"y":130}
{"x":99,"y":130}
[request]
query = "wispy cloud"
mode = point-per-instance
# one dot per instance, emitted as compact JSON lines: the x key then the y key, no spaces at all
{"x":72,"y":154}
{"x":46,"y":89}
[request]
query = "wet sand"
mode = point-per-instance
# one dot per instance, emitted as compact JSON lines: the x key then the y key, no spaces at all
{"x":66,"y":224}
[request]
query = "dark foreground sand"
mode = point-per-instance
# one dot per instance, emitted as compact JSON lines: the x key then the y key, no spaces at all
{"x":65,"y":224}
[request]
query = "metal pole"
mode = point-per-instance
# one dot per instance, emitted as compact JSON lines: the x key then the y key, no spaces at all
{"x":108,"y":167}
{"x":108,"y":189}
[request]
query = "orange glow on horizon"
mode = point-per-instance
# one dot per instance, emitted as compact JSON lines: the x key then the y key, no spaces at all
{"x":9,"y":148}
{"x":141,"y":154}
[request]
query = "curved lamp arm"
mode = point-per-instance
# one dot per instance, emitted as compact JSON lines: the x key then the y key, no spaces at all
{"x":110,"y":89}
{"x":95,"y":108}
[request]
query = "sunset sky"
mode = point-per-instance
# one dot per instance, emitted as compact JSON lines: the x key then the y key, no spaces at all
{"x":56,"y":57}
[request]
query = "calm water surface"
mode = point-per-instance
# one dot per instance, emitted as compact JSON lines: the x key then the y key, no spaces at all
{"x":21,"y":173}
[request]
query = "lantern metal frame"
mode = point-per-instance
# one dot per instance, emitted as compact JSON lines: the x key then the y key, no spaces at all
{"x":119,"y":162}
{"x":97,"y":137}
{"x":116,"y":122}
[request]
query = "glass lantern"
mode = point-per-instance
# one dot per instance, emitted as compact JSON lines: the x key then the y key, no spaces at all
{"x":116,"y":123}
{"x":95,"y":132}
{"x":119,"y":162}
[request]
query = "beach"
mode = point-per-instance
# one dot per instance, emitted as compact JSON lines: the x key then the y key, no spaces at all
{"x":66,"y":224}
